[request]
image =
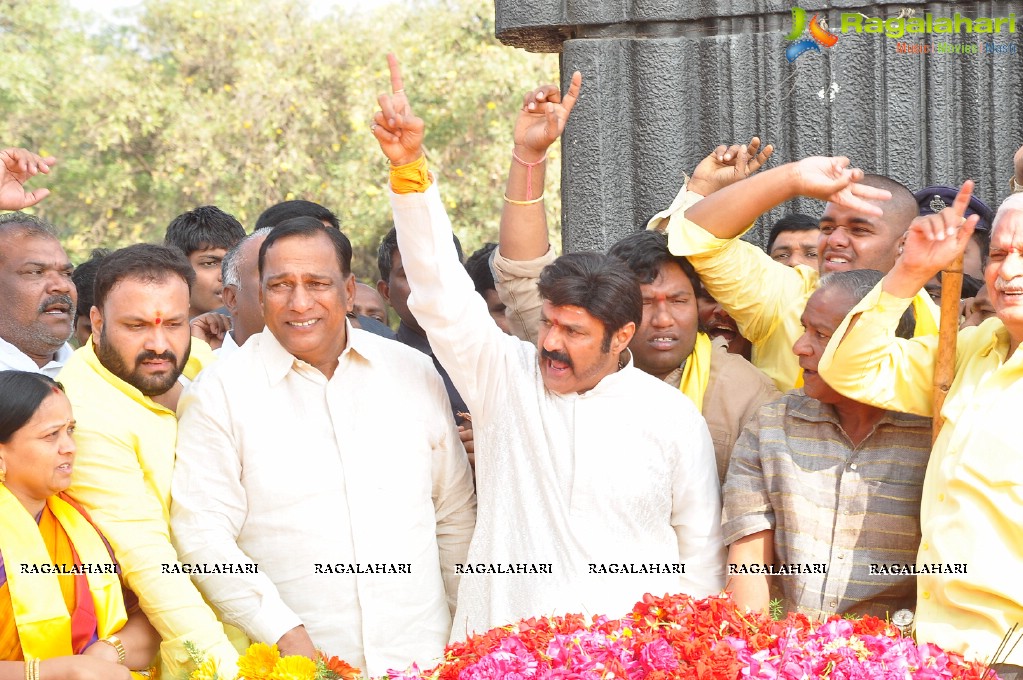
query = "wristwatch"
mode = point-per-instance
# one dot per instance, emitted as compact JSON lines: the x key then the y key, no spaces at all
{"x":115,"y":642}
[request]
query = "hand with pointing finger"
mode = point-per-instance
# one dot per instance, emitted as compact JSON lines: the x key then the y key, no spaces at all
{"x":398,"y":131}
{"x":727,"y":165}
{"x":542,"y":118}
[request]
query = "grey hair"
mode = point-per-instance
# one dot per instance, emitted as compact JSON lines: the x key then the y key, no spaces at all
{"x":229,"y":265}
{"x":856,"y":284}
{"x":23,"y":223}
{"x":1013,"y":202}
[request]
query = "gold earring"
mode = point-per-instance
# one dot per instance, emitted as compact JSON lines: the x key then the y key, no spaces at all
{"x":3,"y":476}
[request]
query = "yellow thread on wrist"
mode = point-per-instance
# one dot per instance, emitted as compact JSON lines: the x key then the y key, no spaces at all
{"x":411,"y":178}
{"x":529,"y":202}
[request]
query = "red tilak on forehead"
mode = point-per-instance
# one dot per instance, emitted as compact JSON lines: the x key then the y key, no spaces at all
{"x":158,"y":321}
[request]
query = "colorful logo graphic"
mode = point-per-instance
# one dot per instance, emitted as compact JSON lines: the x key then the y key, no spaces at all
{"x":818,"y":30}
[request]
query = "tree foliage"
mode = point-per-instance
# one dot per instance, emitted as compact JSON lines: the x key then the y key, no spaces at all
{"x":244,"y":103}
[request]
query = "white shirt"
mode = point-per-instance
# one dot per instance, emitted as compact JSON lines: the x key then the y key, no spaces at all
{"x":281,"y":467}
{"x":618,"y":477}
{"x":227,"y":348}
{"x":13,"y":359}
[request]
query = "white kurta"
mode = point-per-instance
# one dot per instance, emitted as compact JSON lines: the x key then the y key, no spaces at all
{"x":281,"y":467}
{"x":618,"y":477}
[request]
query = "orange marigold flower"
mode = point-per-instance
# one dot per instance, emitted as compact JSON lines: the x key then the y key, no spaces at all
{"x":341,"y":669}
{"x":258,"y":662}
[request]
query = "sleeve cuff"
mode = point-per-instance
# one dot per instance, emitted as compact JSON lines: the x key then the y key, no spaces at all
{"x":746,"y":525}
{"x":506,"y":270}
{"x":273,"y":620}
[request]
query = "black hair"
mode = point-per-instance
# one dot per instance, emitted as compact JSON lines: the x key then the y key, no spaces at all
{"x":645,"y":252}
{"x":792,"y":222}
{"x":597,"y":283}
{"x":901,"y":209}
{"x":21,"y":393}
{"x":143,"y":262}
{"x":307,"y":227}
{"x":857,"y":283}
{"x":287,"y":210}
{"x":205,"y":227}
{"x":389,"y":246}
{"x":84,"y":278}
{"x":478,"y":266}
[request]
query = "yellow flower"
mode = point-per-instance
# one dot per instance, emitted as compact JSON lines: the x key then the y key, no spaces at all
{"x":294,"y":668}
{"x":258,"y":662}
{"x":207,"y":671}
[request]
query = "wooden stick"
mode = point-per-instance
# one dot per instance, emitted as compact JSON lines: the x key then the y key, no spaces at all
{"x":948,"y":332}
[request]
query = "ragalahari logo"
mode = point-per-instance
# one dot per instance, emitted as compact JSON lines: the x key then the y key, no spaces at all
{"x":820,"y":36}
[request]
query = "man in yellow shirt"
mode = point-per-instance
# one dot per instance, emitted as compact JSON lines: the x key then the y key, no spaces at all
{"x":861,"y":228}
{"x":972,"y":508}
{"x":124,"y":385}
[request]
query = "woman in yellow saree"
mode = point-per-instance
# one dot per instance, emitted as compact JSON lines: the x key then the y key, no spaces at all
{"x":62,"y":607}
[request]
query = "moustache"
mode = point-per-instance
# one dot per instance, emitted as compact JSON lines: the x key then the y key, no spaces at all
{"x":150,"y":355}
{"x":1013,"y":284}
{"x":557,"y":356}
{"x":62,"y":299}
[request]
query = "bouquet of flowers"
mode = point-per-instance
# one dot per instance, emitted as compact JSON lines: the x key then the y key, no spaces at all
{"x":264,"y":662}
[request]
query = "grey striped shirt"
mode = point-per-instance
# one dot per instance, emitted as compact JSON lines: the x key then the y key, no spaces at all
{"x":795,"y":471}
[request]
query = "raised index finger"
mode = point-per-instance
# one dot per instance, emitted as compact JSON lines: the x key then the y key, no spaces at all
{"x":572,"y":95}
{"x":963,"y":198}
{"x":396,"y":83}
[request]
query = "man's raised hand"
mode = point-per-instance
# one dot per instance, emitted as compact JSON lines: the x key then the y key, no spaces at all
{"x":933,"y":241}
{"x":17,"y":166}
{"x":398,"y":131}
{"x":726,"y":165}
{"x":831,"y":179}
{"x":543,"y":116}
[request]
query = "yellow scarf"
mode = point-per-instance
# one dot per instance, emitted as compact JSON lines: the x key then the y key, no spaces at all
{"x":696,"y":371}
{"x":41,"y":615}
{"x":926,"y":324}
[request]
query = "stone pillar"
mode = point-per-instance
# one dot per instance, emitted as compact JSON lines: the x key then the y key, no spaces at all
{"x":665,"y":82}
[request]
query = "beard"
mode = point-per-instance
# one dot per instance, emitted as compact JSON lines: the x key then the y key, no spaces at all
{"x":149,"y":385}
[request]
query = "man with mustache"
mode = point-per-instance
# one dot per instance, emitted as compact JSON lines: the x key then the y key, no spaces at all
{"x":862,"y":227}
{"x":124,"y":386}
{"x":38,"y":311}
{"x":971,"y":511}
{"x":596,"y":481}
{"x":726,"y":388}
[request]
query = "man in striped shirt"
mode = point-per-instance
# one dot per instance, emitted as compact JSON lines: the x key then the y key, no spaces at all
{"x":822,"y":494}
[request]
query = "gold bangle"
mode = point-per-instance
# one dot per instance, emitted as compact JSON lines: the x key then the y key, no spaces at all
{"x":115,"y":642}
{"x":529,"y":202}
{"x":35,"y":668}
{"x":32,"y":669}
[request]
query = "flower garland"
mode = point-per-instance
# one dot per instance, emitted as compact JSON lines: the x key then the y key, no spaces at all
{"x":674,"y":637}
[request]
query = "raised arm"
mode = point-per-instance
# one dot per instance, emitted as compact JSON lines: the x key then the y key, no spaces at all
{"x":541,"y":121}
{"x":17,"y":166}
{"x":864,"y":359}
{"x":728,"y":212}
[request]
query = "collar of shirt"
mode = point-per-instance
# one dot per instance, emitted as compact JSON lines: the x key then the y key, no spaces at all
{"x":407,"y":336}
{"x":279,"y":362}
{"x":809,"y":409}
{"x":200,"y":355}
{"x":15,"y":359}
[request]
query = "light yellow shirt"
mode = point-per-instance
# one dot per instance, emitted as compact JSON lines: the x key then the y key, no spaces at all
{"x":972,"y":507}
{"x":766,"y":298}
{"x":122,"y":476}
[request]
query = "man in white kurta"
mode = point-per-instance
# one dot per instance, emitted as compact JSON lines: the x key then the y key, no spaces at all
{"x":620,"y":477}
{"x":351,"y":492}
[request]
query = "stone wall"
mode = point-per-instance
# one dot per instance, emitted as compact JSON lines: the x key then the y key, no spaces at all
{"x":665,"y":82}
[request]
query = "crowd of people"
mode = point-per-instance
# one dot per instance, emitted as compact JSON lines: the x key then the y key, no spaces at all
{"x":240,"y":448}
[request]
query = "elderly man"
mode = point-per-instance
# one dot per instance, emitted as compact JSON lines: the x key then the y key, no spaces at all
{"x":596,"y":480}
{"x":344,"y":539}
{"x":861,"y":228}
{"x":726,"y":388}
{"x":820,"y":479}
{"x":971,"y":510}
{"x":124,"y":386}
{"x":241,"y":290}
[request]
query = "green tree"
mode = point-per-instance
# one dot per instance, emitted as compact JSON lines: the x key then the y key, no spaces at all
{"x":244,"y":104}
